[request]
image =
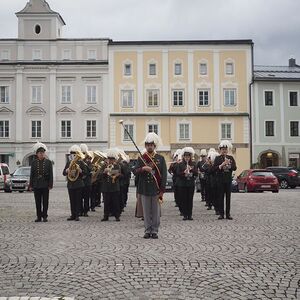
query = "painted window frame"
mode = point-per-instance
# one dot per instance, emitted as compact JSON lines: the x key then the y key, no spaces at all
{"x":36,"y":129}
{"x":87,"y":87}
{"x":7,"y":94}
{"x":265,"y":128}
{"x":178,"y":63}
{"x":148,"y":91}
{"x":4,"y":128}
{"x":273,"y":98}
{"x":123,"y":133}
{"x":61,"y":129}
{"x":173,"y":100}
{"x":91,"y":129}
{"x":127,"y":66}
{"x":289,"y":98}
{"x":189,"y":124}
{"x":155,"y":69}
{"x":62,"y":86}
{"x":234,"y":99}
{"x":32,"y":93}
{"x":203,"y":63}
{"x":226,"y":129}
{"x":199,"y":90}
{"x":290,"y":131}
{"x":123,"y":91}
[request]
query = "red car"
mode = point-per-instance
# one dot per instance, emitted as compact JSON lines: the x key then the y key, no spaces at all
{"x":257,"y":180}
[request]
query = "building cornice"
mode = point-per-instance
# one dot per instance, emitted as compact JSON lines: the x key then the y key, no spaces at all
{"x":54,"y":62}
{"x":200,"y":114}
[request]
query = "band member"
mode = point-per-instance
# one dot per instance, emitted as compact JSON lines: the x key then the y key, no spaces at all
{"x":124,"y":178}
{"x":224,"y":164}
{"x":211,"y":183}
{"x":172,"y":170}
{"x":202,"y":175}
{"x":41,"y":181}
{"x":86,"y":190}
{"x":75,"y":170}
{"x":152,"y":170}
{"x":110,"y":173}
{"x":187,"y":172}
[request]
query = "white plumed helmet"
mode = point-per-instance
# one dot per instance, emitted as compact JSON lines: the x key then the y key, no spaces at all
{"x":112,"y":153}
{"x":84,"y":148}
{"x":177,"y":153}
{"x":203,"y":152}
{"x":225,"y":144}
{"x":188,"y":150}
{"x":75,"y":148}
{"x":152,"y":137}
{"x":38,"y":146}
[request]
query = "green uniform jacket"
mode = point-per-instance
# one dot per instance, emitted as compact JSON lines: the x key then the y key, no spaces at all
{"x":182,"y":179}
{"x":146,"y":182}
{"x":41,"y":174}
{"x":108,"y":186}
{"x":79,"y":182}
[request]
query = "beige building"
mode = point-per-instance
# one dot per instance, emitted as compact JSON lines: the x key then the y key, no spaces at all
{"x":193,"y":93}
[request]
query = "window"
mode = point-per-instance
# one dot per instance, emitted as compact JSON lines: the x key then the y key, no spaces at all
{"x":226,"y":131}
{"x":127,"y":98}
{"x":153,"y":128}
{"x":36,"y":129}
{"x":293,"y":99}
{"x":129,"y":128}
{"x":178,"y":97}
{"x":65,"y":94}
{"x":36,"y":54}
{"x":152,"y":97}
{"x":269,"y":128}
{"x":203,"y":97}
{"x":203,"y":69}
{"x":37,"y":29}
{"x":65,"y":129}
{"x":4,"y":94}
{"x":91,"y":94}
{"x":91,"y":128}
{"x":178,"y":69}
{"x":229,"y":97}
{"x":92,"y":54}
{"x":294,"y":128}
{"x":229,"y":68}
{"x":268,"y":98}
{"x":127,"y":69}
{"x":5,"y":55}
{"x":36,"y":94}
{"x":152,"y":69}
{"x":184,"y":131}
{"x":66,"y":54}
{"x":4,"y":129}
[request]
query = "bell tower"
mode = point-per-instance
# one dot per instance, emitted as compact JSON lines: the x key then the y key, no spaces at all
{"x":37,"y":21}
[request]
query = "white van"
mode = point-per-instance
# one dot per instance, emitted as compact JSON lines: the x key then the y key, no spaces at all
{"x":4,"y":175}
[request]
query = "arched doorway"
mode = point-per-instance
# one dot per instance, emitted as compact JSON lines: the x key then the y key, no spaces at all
{"x":269,"y":159}
{"x":28,"y":159}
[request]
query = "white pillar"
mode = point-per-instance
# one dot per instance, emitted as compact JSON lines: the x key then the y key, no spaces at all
{"x":217,"y":100}
{"x":191,"y":107}
{"x":52,"y":105}
{"x":140,"y":82}
{"x":19,"y":104}
{"x":165,"y":83}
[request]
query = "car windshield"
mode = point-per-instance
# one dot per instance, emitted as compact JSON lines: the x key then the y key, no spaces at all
{"x":22,"y":172}
{"x":5,"y":170}
{"x":262,"y":173}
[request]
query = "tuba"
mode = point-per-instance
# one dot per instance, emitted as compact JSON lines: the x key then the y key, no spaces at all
{"x":97,"y":162}
{"x":73,"y":173}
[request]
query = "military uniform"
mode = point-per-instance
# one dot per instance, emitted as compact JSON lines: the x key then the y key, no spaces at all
{"x":224,"y":179}
{"x":75,"y":189}
{"x":111,"y":191}
{"x":86,"y":190}
{"x":186,"y":187}
{"x":124,"y":183}
{"x":149,"y":191}
{"x":203,"y":179}
{"x":173,"y":170}
{"x":41,"y":180}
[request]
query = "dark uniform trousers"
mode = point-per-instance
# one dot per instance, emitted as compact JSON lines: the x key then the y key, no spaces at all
{"x":111,"y":204}
{"x":86,"y":193}
{"x":186,"y":195}
{"x":224,"y":188}
{"x":203,"y":184}
{"x":41,"y":197}
{"x":75,"y":201}
{"x":124,"y":194}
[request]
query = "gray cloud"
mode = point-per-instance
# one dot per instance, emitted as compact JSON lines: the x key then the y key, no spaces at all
{"x":274,"y":25}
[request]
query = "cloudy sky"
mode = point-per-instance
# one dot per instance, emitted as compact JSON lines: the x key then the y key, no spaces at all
{"x":273,"y":25}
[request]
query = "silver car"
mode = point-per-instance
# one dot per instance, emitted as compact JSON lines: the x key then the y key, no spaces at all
{"x":19,"y":180}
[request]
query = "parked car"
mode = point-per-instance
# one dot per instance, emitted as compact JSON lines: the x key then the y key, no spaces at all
{"x":4,"y":175}
{"x":257,"y":180}
{"x":234,"y":187}
{"x":286,"y":176}
{"x":19,"y":180}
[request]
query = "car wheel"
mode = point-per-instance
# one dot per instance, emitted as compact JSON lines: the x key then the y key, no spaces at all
{"x":21,"y":191}
{"x":292,"y":186}
{"x":284,"y":184}
{"x":275,"y":191}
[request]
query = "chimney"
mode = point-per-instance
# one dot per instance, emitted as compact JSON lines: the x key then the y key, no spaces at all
{"x":292,"y":62}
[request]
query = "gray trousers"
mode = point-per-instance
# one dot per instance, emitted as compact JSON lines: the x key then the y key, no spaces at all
{"x":151,"y":209}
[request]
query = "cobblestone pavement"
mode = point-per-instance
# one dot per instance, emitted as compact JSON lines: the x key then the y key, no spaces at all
{"x":254,"y":256}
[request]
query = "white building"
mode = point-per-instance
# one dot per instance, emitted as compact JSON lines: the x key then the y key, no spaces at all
{"x":52,"y":89}
{"x":276,"y":115}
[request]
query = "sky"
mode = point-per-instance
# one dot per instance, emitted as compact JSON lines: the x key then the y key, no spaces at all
{"x":273,"y":25}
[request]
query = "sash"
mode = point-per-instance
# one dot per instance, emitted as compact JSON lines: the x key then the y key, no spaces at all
{"x":156,"y":175}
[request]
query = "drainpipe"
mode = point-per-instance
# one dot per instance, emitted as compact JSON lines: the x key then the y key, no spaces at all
{"x":250,"y":108}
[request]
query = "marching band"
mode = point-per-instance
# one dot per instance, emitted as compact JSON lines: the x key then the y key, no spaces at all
{"x":91,"y":174}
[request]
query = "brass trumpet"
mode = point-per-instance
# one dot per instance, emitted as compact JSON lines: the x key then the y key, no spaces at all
{"x":97,"y":162}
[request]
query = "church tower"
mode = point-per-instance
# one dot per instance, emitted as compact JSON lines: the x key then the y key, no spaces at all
{"x":37,"y":21}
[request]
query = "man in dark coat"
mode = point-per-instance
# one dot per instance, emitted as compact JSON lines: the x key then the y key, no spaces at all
{"x":152,"y":171}
{"x":224,"y":164}
{"x":41,"y":181}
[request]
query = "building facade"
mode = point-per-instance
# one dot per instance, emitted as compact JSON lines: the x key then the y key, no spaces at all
{"x":276,"y":115}
{"x":192,"y":93}
{"x":52,"y":89}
